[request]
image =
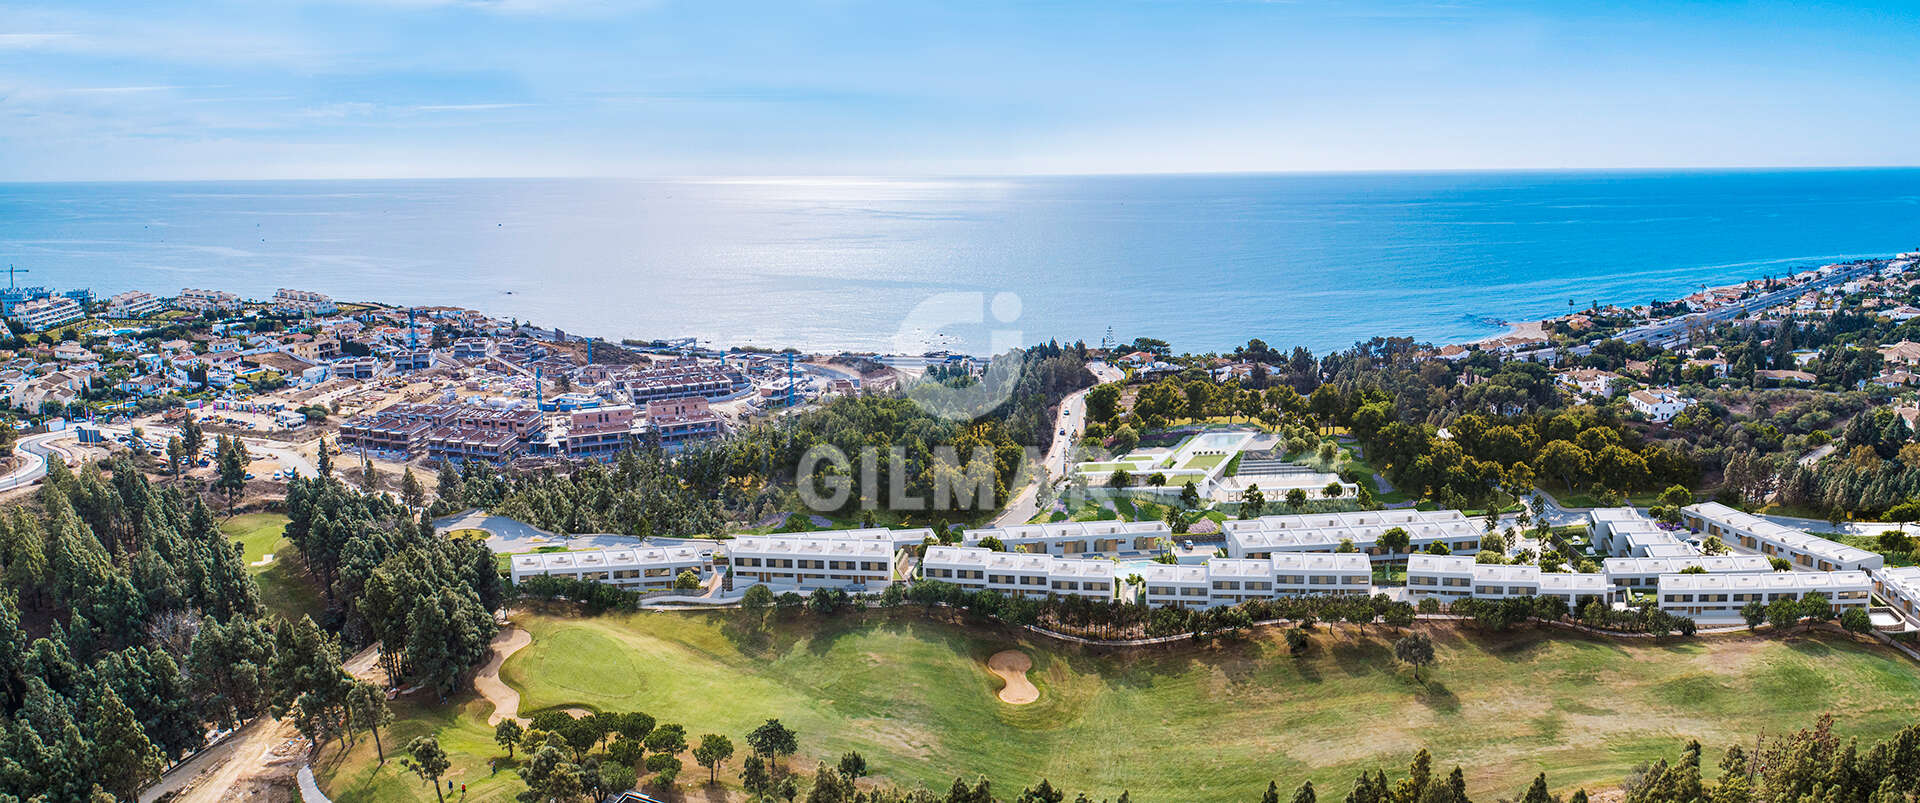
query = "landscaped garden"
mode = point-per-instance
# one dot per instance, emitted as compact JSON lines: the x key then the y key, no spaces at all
{"x":1174,"y":723}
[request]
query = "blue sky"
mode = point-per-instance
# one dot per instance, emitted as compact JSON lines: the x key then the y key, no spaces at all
{"x":366,"y":88}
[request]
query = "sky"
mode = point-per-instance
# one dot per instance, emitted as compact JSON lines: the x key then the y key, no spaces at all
{"x":221,"y":89}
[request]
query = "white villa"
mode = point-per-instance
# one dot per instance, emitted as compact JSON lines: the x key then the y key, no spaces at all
{"x":1659,"y":405}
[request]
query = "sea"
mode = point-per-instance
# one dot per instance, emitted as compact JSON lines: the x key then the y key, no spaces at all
{"x":1204,"y":262}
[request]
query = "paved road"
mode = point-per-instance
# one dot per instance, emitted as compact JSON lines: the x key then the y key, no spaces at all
{"x":1071,"y":418}
{"x":1675,"y":326}
{"x":37,"y":449}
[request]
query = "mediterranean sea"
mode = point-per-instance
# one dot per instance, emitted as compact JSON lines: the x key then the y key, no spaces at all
{"x":1204,"y":262}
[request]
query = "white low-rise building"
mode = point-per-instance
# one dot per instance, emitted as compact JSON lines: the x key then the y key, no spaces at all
{"x":1643,"y":574}
{"x":1900,"y":587}
{"x":1444,"y":577}
{"x":1747,"y":532}
{"x":1074,"y":538}
{"x":1170,"y":585}
{"x":810,"y":561}
{"x":1659,"y":405}
{"x":303,"y":303}
{"x":1451,"y":578}
{"x":1325,"y":532}
{"x":1716,"y":598}
{"x":633,"y":568}
{"x":1018,"y":574}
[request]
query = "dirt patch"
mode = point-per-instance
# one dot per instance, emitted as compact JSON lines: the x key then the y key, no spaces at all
{"x":1012,"y":667}
{"x":506,"y":701}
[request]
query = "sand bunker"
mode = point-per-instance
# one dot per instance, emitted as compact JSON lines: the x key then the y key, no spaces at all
{"x":506,"y":701}
{"x":1012,"y":666}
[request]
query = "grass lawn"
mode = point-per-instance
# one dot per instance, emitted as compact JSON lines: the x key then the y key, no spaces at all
{"x":285,"y":587}
{"x":1203,"y":462}
{"x":1176,"y":723}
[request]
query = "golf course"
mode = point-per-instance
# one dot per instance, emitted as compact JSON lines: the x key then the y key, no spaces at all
{"x":1180,"y":722}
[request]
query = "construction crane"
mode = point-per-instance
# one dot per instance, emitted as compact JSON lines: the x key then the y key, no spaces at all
{"x":413,"y":337}
{"x":789,"y":380}
{"x":11,"y":270}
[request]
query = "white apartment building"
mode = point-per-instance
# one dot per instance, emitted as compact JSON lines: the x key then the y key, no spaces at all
{"x":1017,"y":574}
{"x":1450,"y":578}
{"x":635,"y":568}
{"x":1643,"y":574}
{"x":133,"y":304}
{"x":1718,"y":598}
{"x":193,"y":300}
{"x":1231,"y":581}
{"x":1073,"y":538}
{"x":45,"y":313}
{"x":303,"y":303}
{"x":805,"y":562}
{"x":1324,"y":532}
{"x":1444,"y":577}
{"x":1745,"y":531}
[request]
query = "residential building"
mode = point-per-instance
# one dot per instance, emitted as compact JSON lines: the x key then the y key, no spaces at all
{"x":303,"y":303}
{"x":1642,"y":575}
{"x":632,"y":568}
{"x":1590,"y":381}
{"x":597,"y":433}
{"x":1325,"y":532}
{"x":472,"y":348}
{"x":1076,"y":538}
{"x":42,"y":314}
{"x":1747,"y":532}
{"x":133,"y":304}
{"x":1018,"y":574}
{"x":204,"y":301}
{"x":677,"y":422}
{"x":807,"y":562}
{"x":1659,"y":405}
{"x":1900,"y":588}
{"x":1719,"y":598}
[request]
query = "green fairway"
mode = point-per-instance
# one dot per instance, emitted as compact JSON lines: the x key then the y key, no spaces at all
{"x":284,"y":587}
{"x":1187,"y":723}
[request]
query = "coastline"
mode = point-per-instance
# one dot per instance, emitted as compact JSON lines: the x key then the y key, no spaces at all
{"x":1526,"y":330}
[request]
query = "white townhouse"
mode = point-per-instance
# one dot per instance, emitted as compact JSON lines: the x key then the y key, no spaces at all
{"x":1751,"y":533}
{"x":1574,"y":588}
{"x":1324,"y":532}
{"x":1071,"y":538}
{"x":1717,"y":598}
{"x":632,"y":568}
{"x":1450,"y":578}
{"x":803,"y":562}
{"x":1231,"y":581}
{"x":1301,"y":574}
{"x":1643,"y":574}
{"x":1018,"y":574}
{"x":1172,"y":585}
{"x":1444,"y":577}
{"x":1900,"y":587}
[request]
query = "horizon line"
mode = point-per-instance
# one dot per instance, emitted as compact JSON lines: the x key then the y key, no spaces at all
{"x":770,"y":177}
